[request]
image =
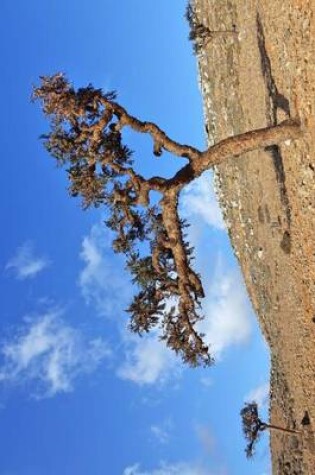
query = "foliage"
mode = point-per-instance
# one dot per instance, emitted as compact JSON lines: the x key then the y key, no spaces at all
{"x":199,"y":34}
{"x":252,"y":426}
{"x":86,"y":137}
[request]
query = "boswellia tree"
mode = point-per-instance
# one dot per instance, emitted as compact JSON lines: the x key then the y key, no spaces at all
{"x":253,"y":426}
{"x":86,"y":137}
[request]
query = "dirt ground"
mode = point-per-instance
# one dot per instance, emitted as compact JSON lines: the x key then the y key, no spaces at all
{"x":258,"y":77}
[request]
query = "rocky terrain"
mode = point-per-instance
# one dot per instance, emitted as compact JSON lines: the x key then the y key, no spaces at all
{"x":259,"y":76}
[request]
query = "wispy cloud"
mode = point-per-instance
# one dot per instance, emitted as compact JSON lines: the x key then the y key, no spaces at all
{"x":147,"y":361}
{"x":180,"y":468}
{"x":260,"y":394}
{"x":227,"y":323}
{"x":105,"y":285}
{"x":227,"y":312}
{"x":103,"y":280}
{"x":49,"y":354}
{"x":226,"y":308}
{"x":199,"y":201}
{"x":25,"y":263}
{"x":162,"y":431}
{"x":206,"y":381}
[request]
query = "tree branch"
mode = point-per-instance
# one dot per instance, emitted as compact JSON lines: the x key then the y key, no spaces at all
{"x":233,"y":147}
{"x":86,"y":137}
{"x":160,"y":138}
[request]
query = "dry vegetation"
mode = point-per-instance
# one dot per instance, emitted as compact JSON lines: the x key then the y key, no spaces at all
{"x":86,"y":137}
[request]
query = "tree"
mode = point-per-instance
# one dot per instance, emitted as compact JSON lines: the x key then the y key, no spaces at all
{"x":253,"y":426}
{"x":200,"y":34}
{"x":86,"y":137}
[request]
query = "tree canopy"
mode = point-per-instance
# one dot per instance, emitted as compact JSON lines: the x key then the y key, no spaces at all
{"x":86,"y":138}
{"x":253,"y":426}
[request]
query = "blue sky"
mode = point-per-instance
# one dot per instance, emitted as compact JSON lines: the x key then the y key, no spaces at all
{"x":78,"y":394}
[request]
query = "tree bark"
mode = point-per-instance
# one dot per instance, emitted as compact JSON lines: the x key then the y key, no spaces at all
{"x":87,"y":135}
{"x":282,"y":429}
{"x":234,"y":147}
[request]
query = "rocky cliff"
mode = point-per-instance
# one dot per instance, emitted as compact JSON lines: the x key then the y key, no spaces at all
{"x":259,"y":76}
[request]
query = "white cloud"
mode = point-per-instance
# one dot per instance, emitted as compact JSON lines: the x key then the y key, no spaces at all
{"x":162,"y":431}
{"x":206,"y":381}
{"x":227,"y":323}
{"x":49,"y":354}
{"x":198,"y":200}
{"x":180,"y":468}
{"x":226,"y":307}
{"x":147,"y":361}
{"x":103,"y":281}
{"x":260,"y":394}
{"x":26,"y":264}
{"x":160,"y":434}
{"x":227,"y":312}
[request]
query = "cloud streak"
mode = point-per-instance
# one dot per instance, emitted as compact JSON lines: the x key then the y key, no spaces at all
{"x":103,"y":280}
{"x":199,"y":202}
{"x":104,"y":284}
{"x":50,"y":355}
{"x":162,"y":431}
{"x":226,"y":309}
{"x":260,"y":394}
{"x":180,"y":468}
{"x":25,"y":263}
{"x":147,"y":361}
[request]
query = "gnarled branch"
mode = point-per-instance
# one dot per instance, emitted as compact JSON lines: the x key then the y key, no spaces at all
{"x":86,"y":137}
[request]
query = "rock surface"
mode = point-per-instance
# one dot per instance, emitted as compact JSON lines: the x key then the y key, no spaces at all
{"x":259,"y":76}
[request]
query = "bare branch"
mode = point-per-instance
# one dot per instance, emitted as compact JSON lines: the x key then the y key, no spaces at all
{"x":160,"y":139}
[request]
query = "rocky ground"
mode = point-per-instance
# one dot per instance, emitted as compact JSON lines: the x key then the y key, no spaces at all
{"x":259,"y":76}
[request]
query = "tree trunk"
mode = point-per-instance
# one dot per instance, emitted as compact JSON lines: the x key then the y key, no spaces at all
{"x":282,"y":429}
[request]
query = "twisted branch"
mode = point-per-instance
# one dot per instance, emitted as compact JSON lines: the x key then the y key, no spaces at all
{"x":86,"y":137}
